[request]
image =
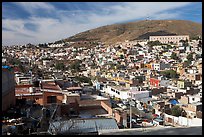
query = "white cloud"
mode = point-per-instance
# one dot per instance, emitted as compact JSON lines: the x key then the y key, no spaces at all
{"x":32,"y":7}
{"x":50,"y":29}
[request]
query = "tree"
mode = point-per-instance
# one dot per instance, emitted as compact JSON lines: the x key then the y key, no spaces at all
{"x":186,"y":63}
{"x":174,"y":56}
{"x":195,"y":38}
{"x":154,"y":43}
{"x":84,"y":79}
{"x":170,"y":74}
{"x":60,"y":66}
{"x":157,"y":57}
{"x":176,"y":111}
{"x":139,"y":78}
{"x":190,"y":57}
{"x":200,"y":43}
{"x":75,"y":65}
{"x":185,"y":42}
{"x":138,"y":45}
{"x":171,"y":43}
{"x":121,"y":56}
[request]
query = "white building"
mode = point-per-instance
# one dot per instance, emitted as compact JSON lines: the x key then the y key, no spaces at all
{"x":160,"y":66}
{"x":168,"y":39}
{"x":117,"y":91}
{"x":138,"y":94}
{"x":194,"y":98}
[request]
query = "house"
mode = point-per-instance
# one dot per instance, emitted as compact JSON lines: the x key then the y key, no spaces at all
{"x":138,"y":94}
{"x":8,"y":88}
{"x":120,"y":116}
{"x":120,"y":92}
{"x":160,"y":66}
{"x":199,"y":67}
{"x":48,"y":63}
{"x":157,"y":91}
{"x":158,"y":105}
{"x":194,"y":98}
{"x":154,"y":81}
{"x":164,"y":83}
{"x":181,"y":84}
{"x":189,"y":99}
{"x":195,"y":78}
{"x":192,"y":109}
{"x":148,"y":65}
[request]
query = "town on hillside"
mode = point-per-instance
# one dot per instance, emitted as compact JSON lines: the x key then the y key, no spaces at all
{"x":63,"y":88}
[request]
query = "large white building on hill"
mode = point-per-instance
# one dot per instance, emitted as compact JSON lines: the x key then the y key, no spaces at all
{"x":168,"y":39}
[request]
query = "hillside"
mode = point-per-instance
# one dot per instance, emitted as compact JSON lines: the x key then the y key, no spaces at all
{"x":139,"y":30}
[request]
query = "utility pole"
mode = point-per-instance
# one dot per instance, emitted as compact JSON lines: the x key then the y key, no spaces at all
{"x":131,"y":103}
{"x":130,"y":115}
{"x":31,"y":79}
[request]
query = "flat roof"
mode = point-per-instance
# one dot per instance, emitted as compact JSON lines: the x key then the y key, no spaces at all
{"x":139,"y":92}
{"x":96,"y":97}
{"x":120,"y":88}
{"x":196,"y":103}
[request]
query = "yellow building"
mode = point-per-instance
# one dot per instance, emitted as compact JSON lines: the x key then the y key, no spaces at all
{"x":181,"y":84}
{"x":119,"y":53}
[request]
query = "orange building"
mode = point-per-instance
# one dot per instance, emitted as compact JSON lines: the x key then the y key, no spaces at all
{"x":149,"y":66}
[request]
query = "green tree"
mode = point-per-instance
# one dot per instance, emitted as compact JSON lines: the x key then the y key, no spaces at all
{"x":195,"y":38}
{"x":84,"y":79}
{"x":75,"y":65}
{"x":176,"y":111}
{"x":186,"y":63}
{"x":154,"y":43}
{"x":139,"y":78}
{"x":170,"y":74}
{"x":60,"y":66}
{"x":121,"y":56}
{"x":185,"y":42}
{"x":190,"y":56}
{"x":138,"y":45}
{"x":174,"y":56}
{"x":200,"y":43}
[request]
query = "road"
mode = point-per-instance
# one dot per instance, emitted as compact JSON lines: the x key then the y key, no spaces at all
{"x":156,"y":131}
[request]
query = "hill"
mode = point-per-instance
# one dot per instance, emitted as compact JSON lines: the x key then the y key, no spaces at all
{"x":138,"y":30}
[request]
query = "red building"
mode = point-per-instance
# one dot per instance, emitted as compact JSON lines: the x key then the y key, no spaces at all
{"x":154,"y":82}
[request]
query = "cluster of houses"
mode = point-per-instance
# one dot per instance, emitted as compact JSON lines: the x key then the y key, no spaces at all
{"x":120,"y":73}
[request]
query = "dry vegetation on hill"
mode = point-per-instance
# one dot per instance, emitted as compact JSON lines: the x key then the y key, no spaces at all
{"x":139,"y":30}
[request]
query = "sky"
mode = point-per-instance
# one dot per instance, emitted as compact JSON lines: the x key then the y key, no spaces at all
{"x":43,"y":22}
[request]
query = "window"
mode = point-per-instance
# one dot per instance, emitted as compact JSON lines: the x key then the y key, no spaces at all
{"x":193,"y":99}
{"x":51,"y":99}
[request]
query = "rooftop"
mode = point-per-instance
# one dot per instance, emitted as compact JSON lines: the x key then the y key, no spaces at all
{"x":120,"y":88}
{"x":82,"y":125}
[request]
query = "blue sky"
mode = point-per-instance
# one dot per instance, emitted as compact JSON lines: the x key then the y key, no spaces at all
{"x":41,"y":22}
